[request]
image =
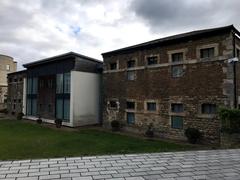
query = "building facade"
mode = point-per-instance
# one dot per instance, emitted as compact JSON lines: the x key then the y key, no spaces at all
{"x":64,"y":87}
{"x":173,"y":83}
{"x":7,"y":65}
{"x":16,"y":88}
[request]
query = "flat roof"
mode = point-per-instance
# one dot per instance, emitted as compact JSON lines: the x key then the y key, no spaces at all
{"x":60,"y":57}
{"x":196,"y":33}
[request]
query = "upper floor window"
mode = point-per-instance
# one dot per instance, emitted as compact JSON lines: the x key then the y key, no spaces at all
{"x":152,"y":60}
{"x":177,"y":107}
{"x":238,"y":53}
{"x":151,"y":106}
{"x":207,"y":52}
{"x":113,"y":66}
{"x":177,"y":57}
{"x":209,"y":108}
{"x":177,"y":71}
{"x":8,"y":67}
{"x":130,"y":105}
{"x":113,"y":104}
{"x":131,"y":75}
{"x":131,"y":63}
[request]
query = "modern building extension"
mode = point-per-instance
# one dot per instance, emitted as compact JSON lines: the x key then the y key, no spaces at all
{"x":7,"y":65}
{"x":64,"y":87}
{"x":173,"y":83}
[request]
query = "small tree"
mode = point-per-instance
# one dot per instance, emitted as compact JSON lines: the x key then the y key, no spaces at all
{"x":230,"y":120}
{"x":115,"y":125}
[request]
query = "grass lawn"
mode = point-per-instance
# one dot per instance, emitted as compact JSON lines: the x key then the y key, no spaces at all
{"x":22,"y":140}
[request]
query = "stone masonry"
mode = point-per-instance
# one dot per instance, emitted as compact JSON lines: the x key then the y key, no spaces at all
{"x":204,"y":81}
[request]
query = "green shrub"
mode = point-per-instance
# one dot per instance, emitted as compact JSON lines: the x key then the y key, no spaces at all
{"x":193,"y":135}
{"x":58,"y":123}
{"x":115,"y":125}
{"x":230,"y":120}
{"x":20,"y":116}
{"x":5,"y":111}
{"x":150,"y":132}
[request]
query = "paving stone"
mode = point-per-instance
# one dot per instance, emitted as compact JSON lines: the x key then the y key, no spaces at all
{"x":214,"y":164}
{"x":55,"y":176}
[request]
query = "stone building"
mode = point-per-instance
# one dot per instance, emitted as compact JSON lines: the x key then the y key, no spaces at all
{"x":173,"y":83}
{"x":16,"y":88}
{"x":7,"y":65}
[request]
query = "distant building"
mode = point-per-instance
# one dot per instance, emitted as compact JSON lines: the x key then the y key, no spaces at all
{"x":174,"y":83}
{"x":66,"y":87}
{"x":7,"y":65}
{"x":16,"y":88}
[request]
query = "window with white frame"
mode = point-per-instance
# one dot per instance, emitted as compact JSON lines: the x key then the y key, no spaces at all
{"x":151,"y":106}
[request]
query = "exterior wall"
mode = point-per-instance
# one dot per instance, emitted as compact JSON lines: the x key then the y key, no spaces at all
{"x":15,"y":93}
{"x":7,"y":65}
{"x":204,"y":81}
{"x":85,"y":98}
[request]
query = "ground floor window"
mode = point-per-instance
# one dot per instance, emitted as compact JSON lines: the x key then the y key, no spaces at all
{"x":209,"y":108}
{"x":177,"y":122}
{"x":130,"y":118}
{"x":63,"y":109}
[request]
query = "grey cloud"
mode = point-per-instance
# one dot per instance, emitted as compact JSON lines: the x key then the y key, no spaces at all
{"x":168,"y":15}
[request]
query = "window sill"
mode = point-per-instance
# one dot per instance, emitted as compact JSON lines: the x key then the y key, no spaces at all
{"x":207,"y":116}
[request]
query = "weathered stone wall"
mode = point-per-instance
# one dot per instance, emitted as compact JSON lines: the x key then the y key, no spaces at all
{"x":15,"y":93}
{"x":204,"y":81}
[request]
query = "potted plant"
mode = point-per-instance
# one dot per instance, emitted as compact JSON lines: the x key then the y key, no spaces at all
{"x":115,"y":125}
{"x":20,"y":116}
{"x":39,"y":120}
{"x":58,"y":123}
{"x":193,"y":135}
{"x":150,"y":133}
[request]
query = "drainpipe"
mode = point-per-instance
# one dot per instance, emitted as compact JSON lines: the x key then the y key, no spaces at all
{"x":234,"y":72}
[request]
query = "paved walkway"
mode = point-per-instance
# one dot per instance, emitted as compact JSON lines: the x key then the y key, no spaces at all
{"x":215,"y":164}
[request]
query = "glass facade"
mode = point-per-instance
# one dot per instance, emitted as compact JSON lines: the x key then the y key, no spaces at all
{"x":32,"y":90}
{"x":63,"y":84}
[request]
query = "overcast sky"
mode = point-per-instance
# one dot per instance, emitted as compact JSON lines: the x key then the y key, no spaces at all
{"x":35,"y":29}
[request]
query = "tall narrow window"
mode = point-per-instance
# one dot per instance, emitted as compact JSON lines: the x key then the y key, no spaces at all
{"x":131,"y":75}
{"x":63,"y":84}
{"x":8,"y":67}
{"x":32,"y":90}
{"x":130,"y":118}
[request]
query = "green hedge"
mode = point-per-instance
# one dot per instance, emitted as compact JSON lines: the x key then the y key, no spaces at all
{"x":230,"y":119}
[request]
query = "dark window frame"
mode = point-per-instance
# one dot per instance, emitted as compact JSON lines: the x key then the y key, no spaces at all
{"x":127,"y":117}
{"x":177,"y":57}
{"x":152,"y":60}
{"x":208,"y":108}
{"x":130,"y":105}
{"x":207,"y":52}
{"x":131,"y":63}
{"x":173,"y":121}
{"x":177,"y":75}
{"x":177,"y":107}
{"x":113,"y":66}
{"x":151,"y":106}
